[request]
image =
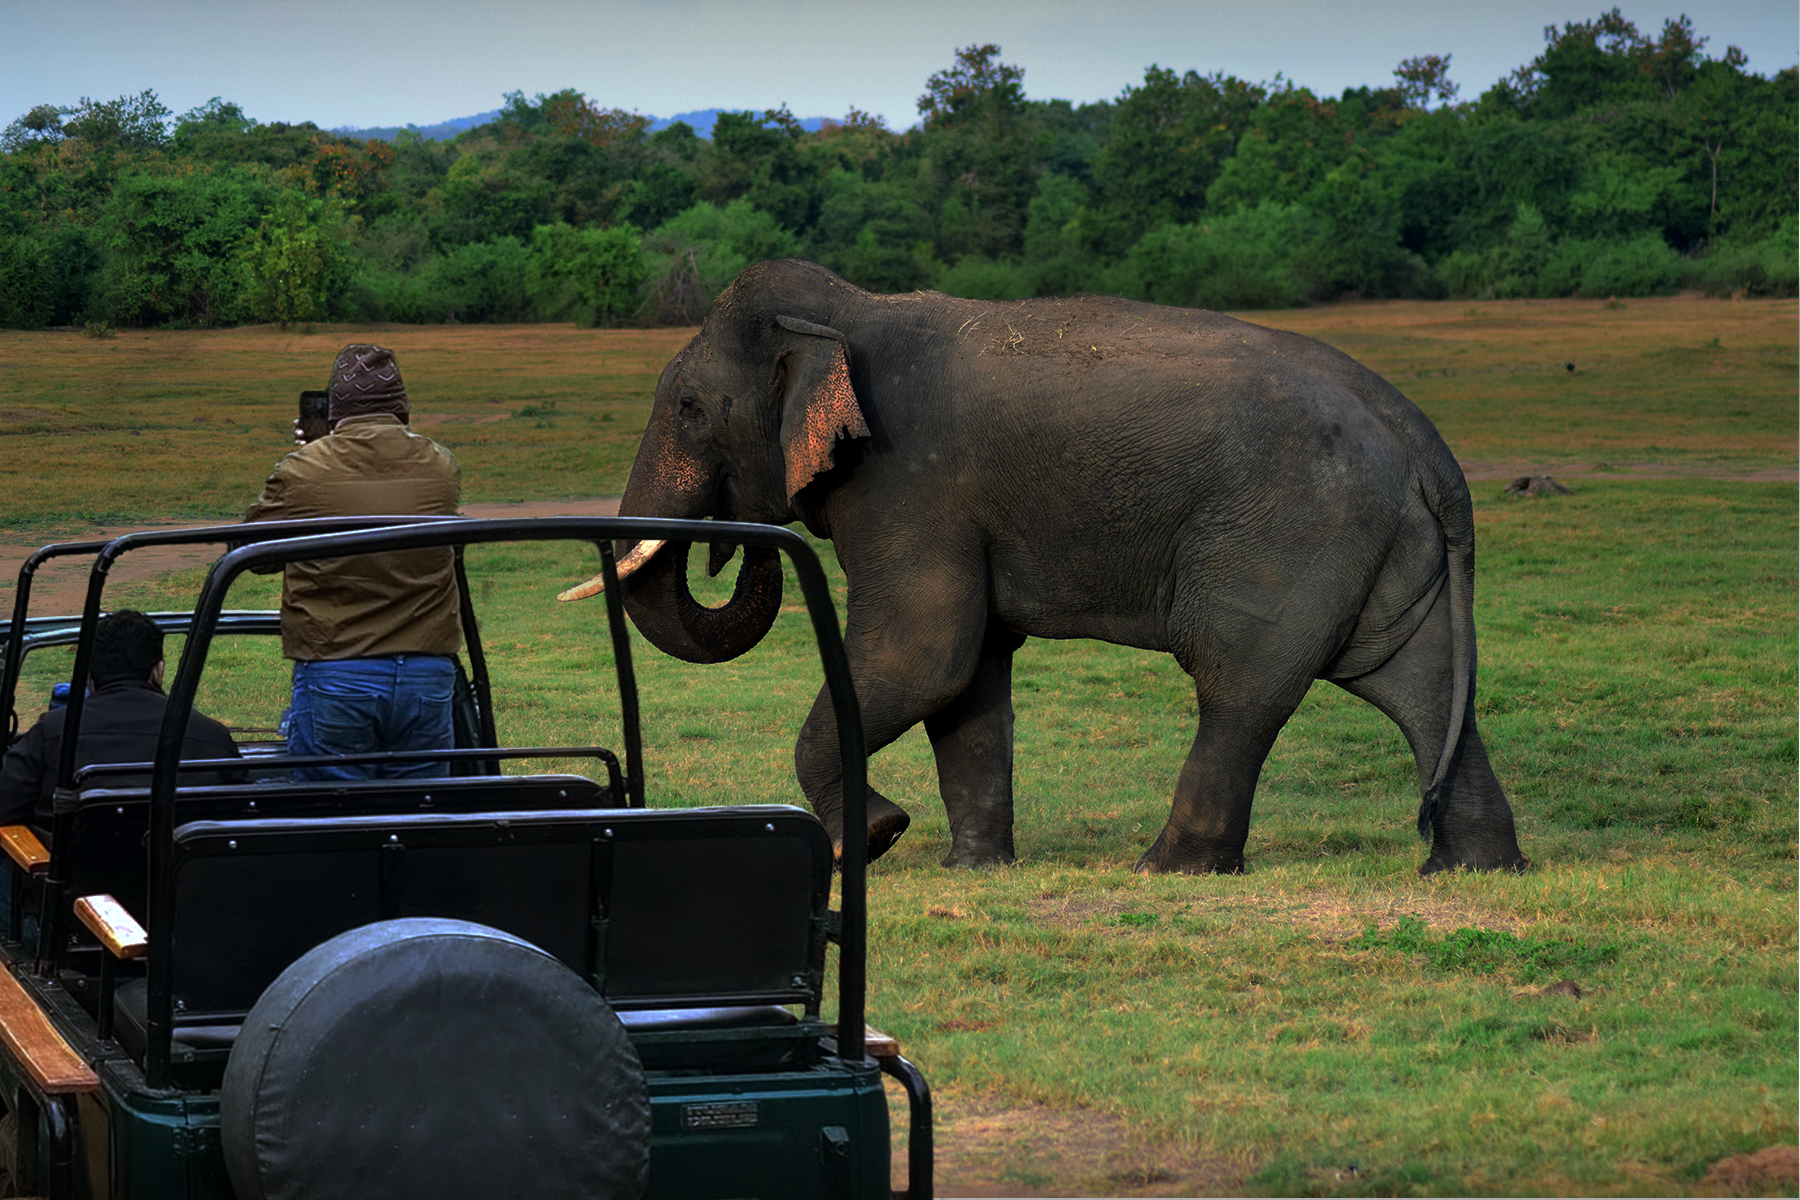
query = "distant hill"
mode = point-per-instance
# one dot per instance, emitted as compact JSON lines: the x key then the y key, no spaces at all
{"x":702,"y":121}
{"x":442,"y":131}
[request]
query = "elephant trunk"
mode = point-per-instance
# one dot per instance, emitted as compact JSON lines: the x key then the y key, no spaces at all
{"x":653,"y":573}
{"x":666,"y":613}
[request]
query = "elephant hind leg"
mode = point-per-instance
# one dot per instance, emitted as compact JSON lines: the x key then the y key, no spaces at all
{"x":1469,"y":820}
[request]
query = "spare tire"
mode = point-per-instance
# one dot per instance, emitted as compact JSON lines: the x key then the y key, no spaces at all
{"x":427,"y":1057}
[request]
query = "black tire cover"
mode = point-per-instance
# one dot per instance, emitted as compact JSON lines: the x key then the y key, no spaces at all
{"x":439,"y":1058}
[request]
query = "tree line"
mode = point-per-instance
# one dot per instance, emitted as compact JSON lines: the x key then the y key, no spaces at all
{"x":1614,"y":163}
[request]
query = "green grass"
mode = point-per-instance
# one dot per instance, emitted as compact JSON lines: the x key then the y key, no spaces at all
{"x":188,"y":424}
{"x":1327,"y":1023}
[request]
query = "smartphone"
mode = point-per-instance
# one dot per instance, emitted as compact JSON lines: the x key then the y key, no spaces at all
{"x":315,"y":420}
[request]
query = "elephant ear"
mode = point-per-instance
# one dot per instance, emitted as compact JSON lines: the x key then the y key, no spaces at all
{"x":818,"y":405}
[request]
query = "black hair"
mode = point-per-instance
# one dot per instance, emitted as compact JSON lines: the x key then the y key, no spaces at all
{"x":127,"y":646}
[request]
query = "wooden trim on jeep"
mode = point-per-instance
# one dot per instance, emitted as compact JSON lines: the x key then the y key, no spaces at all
{"x":117,"y":929}
{"x":51,"y":1062}
{"x":24,"y":848}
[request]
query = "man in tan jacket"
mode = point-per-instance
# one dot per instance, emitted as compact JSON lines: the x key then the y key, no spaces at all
{"x":373,"y":638}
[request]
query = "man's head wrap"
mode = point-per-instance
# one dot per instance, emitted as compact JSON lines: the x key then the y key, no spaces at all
{"x":365,"y":380}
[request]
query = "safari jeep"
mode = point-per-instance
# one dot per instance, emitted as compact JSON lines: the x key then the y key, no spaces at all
{"x":493,"y":984}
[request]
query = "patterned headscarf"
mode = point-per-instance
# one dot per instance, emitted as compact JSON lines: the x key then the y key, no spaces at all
{"x":365,"y":380}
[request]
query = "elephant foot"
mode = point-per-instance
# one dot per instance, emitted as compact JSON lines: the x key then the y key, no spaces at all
{"x":887,"y":821}
{"x":1157,"y":861}
{"x":1516,"y":862}
{"x":971,"y":859}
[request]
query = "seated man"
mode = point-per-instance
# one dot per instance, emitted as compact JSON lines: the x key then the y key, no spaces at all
{"x":120,"y":721}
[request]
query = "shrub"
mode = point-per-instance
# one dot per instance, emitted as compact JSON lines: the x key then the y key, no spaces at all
{"x":479,"y":281}
{"x":724,"y":240}
{"x":170,"y":242}
{"x":1638,"y":266}
{"x":873,"y":234}
{"x":24,"y":283}
{"x":1768,"y":267}
{"x":677,"y":292}
{"x":1253,"y":258}
{"x":976,"y":277}
{"x":1513,"y":268}
{"x":603,"y":268}
{"x":294,"y":262}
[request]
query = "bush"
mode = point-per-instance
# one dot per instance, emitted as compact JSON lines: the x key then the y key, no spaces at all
{"x":295,"y":264}
{"x":171,"y":243}
{"x":873,"y":234}
{"x":1638,"y":266}
{"x":25,"y":301}
{"x":1769,"y":267}
{"x":1465,"y":274}
{"x":1513,"y":268}
{"x":479,"y":281}
{"x":677,"y":292}
{"x":1253,"y":258}
{"x":724,"y":240}
{"x":976,"y":277}
{"x":602,"y":268}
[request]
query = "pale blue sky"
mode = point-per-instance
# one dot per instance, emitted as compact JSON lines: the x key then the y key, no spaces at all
{"x":393,"y":62}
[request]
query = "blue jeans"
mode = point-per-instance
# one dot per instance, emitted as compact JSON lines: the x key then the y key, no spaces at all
{"x":362,"y":705}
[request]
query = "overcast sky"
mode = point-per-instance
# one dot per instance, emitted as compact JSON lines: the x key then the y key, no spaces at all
{"x":394,"y":62}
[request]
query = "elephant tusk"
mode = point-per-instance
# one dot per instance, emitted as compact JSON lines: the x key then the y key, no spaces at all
{"x":640,"y":554}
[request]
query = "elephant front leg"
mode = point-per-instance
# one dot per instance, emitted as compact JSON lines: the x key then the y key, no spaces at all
{"x":821,"y":773}
{"x":918,"y":663}
{"x":972,"y":739}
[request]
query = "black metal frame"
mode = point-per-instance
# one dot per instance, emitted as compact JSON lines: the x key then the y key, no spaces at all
{"x":94,"y":772}
{"x":43,"y":633}
{"x":25,"y":632}
{"x":921,"y":1153}
{"x":602,"y":531}
{"x":234,"y":535}
{"x":108,"y":552}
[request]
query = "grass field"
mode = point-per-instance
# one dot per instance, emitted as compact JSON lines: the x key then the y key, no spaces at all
{"x":1615,"y":1021}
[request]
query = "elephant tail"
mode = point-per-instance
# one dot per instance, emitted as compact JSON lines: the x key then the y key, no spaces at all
{"x":1447,"y":495}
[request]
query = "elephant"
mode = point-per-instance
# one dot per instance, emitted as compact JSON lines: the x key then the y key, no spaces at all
{"x":1253,"y":502}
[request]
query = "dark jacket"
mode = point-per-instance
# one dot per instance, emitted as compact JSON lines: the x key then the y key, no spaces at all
{"x":119,"y":723}
{"x":371,"y":604}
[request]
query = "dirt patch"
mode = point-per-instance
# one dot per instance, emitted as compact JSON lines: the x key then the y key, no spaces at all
{"x":433,"y":420}
{"x":988,"y":1147}
{"x":61,"y":587}
{"x":1321,"y":912}
{"x":1771,"y":1171}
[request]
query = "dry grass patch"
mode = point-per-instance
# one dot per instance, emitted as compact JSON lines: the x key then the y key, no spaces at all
{"x":989,"y":1146}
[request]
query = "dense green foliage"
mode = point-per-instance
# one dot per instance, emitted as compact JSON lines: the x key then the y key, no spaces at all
{"x":1615,"y":163}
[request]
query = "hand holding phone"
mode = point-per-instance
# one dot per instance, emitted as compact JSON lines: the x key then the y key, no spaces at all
{"x":314,"y":421}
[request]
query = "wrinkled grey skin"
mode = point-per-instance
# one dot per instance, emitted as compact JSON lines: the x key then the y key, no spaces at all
{"x":1254,"y":503}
